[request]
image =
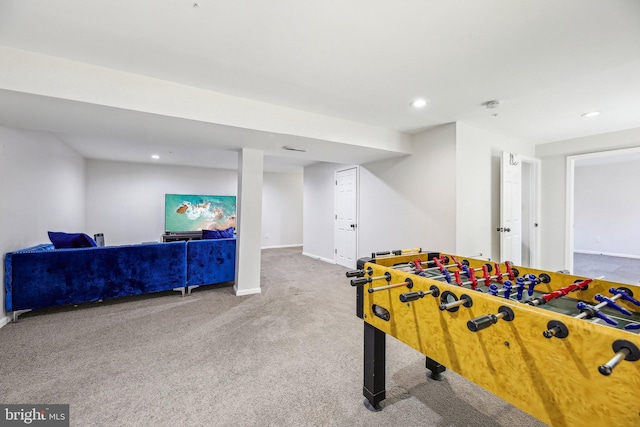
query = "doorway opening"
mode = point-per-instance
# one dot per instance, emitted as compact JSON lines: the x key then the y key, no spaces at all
{"x":346,"y":217}
{"x":601,"y":229}
{"x":520,"y":210}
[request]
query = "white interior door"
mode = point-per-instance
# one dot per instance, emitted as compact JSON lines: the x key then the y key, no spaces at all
{"x":346,"y":202}
{"x":510,"y":228}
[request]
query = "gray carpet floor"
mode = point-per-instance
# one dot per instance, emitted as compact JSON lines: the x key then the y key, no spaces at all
{"x":290,"y":356}
{"x":614,"y":269}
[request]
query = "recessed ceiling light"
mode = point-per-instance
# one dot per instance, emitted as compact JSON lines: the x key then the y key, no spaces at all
{"x":155,"y":156}
{"x":419,"y":103}
{"x":591,"y":114}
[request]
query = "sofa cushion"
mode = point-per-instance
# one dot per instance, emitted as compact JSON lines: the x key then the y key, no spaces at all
{"x":218,"y":234}
{"x":70,"y":240}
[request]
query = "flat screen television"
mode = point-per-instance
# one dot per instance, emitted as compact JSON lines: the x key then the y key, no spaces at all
{"x":190,"y":212}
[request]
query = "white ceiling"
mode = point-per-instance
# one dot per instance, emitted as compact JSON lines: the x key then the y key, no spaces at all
{"x":547,"y":61}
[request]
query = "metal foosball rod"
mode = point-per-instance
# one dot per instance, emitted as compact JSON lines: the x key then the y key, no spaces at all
{"x":507,"y":288}
{"x":396,"y":252}
{"x":498,"y":277}
{"x":364,"y":280}
{"x":577,"y":286}
{"x":624,"y":350}
{"x":511,"y":273}
{"x":588,"y":311}
{"x":408,"y":283}
{"x":472,"y":271}
{"x":465,"y":300}
{"x":474,"y":281}
{"x":446,"y":275}
{"x":532,"y":281}
{"x":507,"y":285}
{"x":412,"y":264}
{"x":471,"y":275}
{"x":444,"y":269}
{"x":438,"y":264}
{"x":557,"y":329}
{"x":464,"y":267}
{"x":607,"y":368}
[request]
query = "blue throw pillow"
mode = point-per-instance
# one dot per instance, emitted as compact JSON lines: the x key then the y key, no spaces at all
{"x":228,"y":233}
{"x":218,"y":234}
{"x":70,"y":240}
{"x":211,"y":234}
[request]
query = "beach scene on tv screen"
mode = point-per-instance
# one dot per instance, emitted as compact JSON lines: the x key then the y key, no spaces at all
{"x":190,"y":212}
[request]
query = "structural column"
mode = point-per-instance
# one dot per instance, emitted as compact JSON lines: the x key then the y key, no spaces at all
{"x":249,"y":222}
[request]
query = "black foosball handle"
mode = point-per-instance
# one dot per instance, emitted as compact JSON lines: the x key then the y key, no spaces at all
{"x":359,"y":273}
{"x":361,"y":281}
{"x":411,"y":296}
{"x":375,"y":254}
{"x":484,"y":322}
{"x":481,"y":322}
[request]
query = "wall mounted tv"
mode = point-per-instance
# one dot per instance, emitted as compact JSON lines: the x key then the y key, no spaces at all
{"x":189,"y":212}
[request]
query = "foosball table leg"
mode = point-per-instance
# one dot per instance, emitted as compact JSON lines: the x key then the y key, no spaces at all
{"x":374,"y":367}
{"x":435,"y":368}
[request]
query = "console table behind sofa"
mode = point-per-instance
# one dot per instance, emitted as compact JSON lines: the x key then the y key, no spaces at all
{"x":41,"y":276}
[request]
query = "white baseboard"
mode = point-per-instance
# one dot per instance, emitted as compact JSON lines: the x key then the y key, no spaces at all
{"x":4,"y":320}
{"x":241,"y":292}
{"x":330,"y":261}
{"x":606,"y":254}
{"x":282,"y":246}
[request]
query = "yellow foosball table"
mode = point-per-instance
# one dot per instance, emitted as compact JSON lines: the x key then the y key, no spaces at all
{"x":562,"y":348}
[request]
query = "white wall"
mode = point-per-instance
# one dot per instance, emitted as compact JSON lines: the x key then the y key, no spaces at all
{"x":125,"y":201}
{"x":410,"y":202}
{"x":477,"y":188}
{"x":444,"y":197}
{"x":607,"y":208}
{"x":282,"y":209}
{"x":553,"y":157}
{"x":404,"y":202}
{"x":43,"y":188}
{"x":318,"y":210}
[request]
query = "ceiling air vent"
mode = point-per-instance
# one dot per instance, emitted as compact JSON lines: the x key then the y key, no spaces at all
{"x":300,"y":150}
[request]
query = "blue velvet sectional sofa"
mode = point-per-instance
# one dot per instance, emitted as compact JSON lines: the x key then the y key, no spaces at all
{"x":210,"y":261}
{"x":41,"y":276}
